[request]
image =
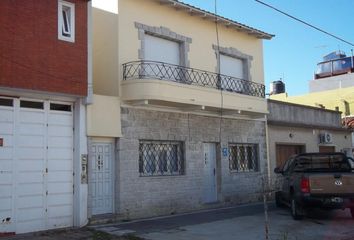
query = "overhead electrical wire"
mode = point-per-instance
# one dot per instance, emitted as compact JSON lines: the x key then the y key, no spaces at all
{"x":306,"y":23}
{"x":218,"y":68}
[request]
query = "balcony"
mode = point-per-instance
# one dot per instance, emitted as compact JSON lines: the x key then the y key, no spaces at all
{"x":177,"y":86}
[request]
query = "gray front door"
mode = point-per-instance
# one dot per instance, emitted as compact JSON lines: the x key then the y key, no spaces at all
{"x":209,"y":189}
{"x":101,"y":178}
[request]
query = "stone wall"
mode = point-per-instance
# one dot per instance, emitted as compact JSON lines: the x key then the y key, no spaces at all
{"x":151,"y":196}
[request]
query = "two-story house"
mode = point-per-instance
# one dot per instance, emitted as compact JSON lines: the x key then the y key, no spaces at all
{"x":178,"y":120}
{"x":45,"y":82}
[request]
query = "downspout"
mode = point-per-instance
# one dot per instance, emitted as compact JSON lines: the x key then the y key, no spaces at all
{"x":267,"y":147}
{"x":89,"y":98}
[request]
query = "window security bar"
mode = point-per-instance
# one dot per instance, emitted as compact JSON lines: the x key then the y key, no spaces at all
{"x":161,"y":158}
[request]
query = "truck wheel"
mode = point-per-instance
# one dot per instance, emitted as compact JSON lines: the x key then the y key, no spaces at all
{"x":296,"y":210}
{"x":352,"y":212}
{"x":278,"y":201}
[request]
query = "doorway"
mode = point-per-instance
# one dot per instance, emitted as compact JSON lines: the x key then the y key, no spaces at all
{"x":101,"y":178}
{"x":210,"y":186}
{"x":326,"y":149}
{"x":284,"y":151}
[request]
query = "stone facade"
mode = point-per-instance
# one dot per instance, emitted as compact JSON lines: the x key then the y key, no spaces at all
{"x":138,"y":196}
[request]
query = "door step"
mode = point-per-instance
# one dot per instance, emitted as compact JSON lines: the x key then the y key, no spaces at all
{"x":105,"y":218}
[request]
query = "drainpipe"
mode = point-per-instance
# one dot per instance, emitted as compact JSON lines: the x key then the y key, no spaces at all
{"x":89,"y":98}
{"x":267,"y":146}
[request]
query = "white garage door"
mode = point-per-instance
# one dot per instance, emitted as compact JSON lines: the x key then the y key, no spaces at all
{"x":36,"y":165}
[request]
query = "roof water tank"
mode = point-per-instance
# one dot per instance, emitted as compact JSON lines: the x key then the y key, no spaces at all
{"x":278,"y":87}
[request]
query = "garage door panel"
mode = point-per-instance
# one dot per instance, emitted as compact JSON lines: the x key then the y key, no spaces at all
{"x":6,"y":114}
{"x":31,"y":116}
{"x":31,"y":165}
{"x":30,"y":177}
{"x":5,"y":156}
{"x":62,"y":198}
{"x":31,"y":141}
{"x":60,"y":222}
{"x":34,"y":129}
{"x":60,"y":211}
{"x":60,"y":187}
{"x":31,"y":189}
{"x":6,"y":165}
{"x":60,"y":142}
{"x":6,"y":128}
{"x":60,"y":131}
{"x":60,"y":165}
{"x":55,"y":176}
{"x":60,"y":153}
{"x":31,"y":213}
{"x":60,"y":119}
{"x":28,"y":153}
{"x":5,"y":205}
{"x":33,"y":201}
{"x":5,"y":189}
{"x":5,"y":178}
{"x":30,"y":226}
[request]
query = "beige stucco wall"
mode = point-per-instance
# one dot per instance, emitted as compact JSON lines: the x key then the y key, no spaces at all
{"x":111,"y":42}
{"x":116,"y":41}
{"x":303,"y":136}
{"x":103,"y":117}
{"x":105,"y":50}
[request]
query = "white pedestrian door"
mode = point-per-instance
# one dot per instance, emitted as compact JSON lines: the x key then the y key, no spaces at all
{"x":210,"y":190}
{"x":101,"y":178}
{"x":36,"y":165}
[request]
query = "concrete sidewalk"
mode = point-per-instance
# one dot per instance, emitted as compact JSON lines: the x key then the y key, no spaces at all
{"x":243,"y":223}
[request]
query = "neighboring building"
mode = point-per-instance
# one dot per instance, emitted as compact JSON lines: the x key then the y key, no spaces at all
{"x":332,"y":86}
{"x":294,"y":128}
{"x":167,"y":133}
{"x":44,"y":84}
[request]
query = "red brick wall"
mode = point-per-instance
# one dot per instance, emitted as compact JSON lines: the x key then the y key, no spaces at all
{"x":32,"y":56}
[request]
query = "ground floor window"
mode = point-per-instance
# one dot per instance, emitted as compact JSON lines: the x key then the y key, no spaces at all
{"x":161,"y":158}
{"x":243,"y":157}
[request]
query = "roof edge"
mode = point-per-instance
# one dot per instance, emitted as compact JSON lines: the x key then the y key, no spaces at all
{"x":211,"y":16}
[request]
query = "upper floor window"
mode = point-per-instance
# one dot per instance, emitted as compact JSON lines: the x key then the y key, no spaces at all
{"x":231,"y":66}
{"x":234,"y":67}
{"x":162,"y":50}
{"x":66,"y":21}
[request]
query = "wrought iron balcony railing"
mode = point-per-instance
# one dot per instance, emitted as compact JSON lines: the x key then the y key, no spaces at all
{"x":191,"y":76}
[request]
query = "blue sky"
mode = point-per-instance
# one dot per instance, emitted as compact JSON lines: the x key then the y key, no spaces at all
{"x":296,"y":49}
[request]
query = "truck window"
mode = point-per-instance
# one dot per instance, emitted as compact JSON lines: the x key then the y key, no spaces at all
{"x":331,"y":163}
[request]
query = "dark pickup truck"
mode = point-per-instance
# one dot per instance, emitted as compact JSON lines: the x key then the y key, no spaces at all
{"x":316,"y":180}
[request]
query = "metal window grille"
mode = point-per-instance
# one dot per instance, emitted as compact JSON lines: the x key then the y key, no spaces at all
{"x":161,"y":158}
{"x":243,"y":157}
{"x":185,"y":75}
